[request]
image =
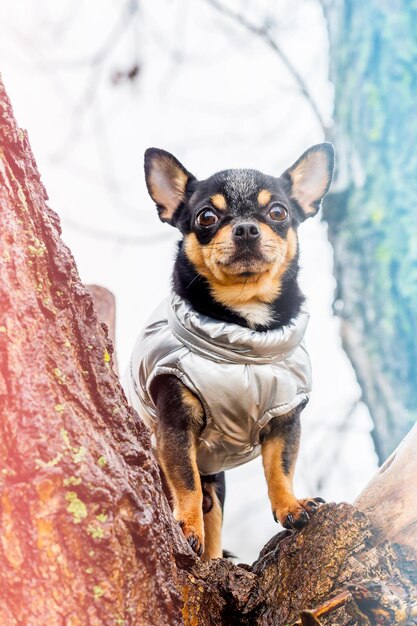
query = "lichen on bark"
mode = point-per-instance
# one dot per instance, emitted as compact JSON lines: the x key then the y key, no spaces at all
{"x":372,"y":220}
{"x":87,"y":537}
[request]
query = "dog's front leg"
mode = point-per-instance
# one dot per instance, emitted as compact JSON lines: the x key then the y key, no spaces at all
{"x":280,"y":442}
{"x":180,"y":416}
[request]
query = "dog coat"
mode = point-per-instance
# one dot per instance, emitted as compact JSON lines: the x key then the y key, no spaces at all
{"x":243,"y":377}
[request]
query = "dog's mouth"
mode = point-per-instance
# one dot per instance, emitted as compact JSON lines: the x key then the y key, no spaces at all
{"x":247,"y":260}
{"x":228,"y":261}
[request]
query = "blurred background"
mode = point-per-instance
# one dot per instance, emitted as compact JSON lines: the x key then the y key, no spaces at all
{"x":243,"y":83}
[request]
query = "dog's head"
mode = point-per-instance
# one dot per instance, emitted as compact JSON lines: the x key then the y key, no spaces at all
{"x":240,"y":226}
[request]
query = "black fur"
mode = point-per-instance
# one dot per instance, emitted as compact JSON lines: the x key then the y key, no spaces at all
{"x":219,"y":484}
{"x":193,"y":287}
{"x":240,"y":188}
{"x":184,"y":197}
{"x":242,"y":204}
{"x":288,"y":429}
{"x":174,"y":435}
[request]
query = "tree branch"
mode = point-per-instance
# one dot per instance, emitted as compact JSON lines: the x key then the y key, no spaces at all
{"x":265,"y":35}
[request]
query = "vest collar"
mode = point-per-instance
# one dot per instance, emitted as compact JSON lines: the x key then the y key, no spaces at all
{"x":231,"y":343}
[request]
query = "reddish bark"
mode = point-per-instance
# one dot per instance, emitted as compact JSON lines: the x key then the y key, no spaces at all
{"x":87,"y":537}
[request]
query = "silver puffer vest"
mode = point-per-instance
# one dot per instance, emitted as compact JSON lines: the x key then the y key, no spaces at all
{"x":243,"y":377}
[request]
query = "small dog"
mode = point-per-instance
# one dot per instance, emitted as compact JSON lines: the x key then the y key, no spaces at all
{"x":220,"y":373}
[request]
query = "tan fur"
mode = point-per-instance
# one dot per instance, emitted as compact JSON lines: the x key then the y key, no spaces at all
{"x":280,"y":485}
{"x":309,"y":180}
{"x":227,"y":287}
{"x":264,"y":197}
{"x":219,"y":201}
{"x":187,"y":503}
{"x":213,"y":528}
{"x":194,"y":405}
{"x":167,"y":183}
{"x":280,"y":488}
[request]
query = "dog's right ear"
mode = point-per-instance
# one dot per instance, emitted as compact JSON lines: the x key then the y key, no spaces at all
{"x":166,"y":180}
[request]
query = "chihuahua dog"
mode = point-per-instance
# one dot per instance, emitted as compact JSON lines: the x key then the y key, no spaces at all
{"x":220,"y":373}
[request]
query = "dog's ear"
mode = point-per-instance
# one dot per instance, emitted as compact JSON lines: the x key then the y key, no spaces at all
{"x":311,"y":176}
{"x":167,"y":182}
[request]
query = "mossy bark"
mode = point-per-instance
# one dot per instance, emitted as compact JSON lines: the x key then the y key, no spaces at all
{"x":87,"y":537}
{"x":86,"y":534}
{"x":372,"y":218}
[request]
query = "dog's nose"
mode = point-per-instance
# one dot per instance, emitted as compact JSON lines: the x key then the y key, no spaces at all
{"x":246,"y":231}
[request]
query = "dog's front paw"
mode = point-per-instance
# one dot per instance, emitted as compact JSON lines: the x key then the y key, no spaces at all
{"x":297,"y":514}
{"x":194,"y":536}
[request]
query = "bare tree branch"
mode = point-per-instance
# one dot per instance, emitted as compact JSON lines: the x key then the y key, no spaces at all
{"x":96,"y":63}
{"x":263,"y":32}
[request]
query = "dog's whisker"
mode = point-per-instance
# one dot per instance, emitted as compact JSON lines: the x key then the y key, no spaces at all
{"x":196,"y":277}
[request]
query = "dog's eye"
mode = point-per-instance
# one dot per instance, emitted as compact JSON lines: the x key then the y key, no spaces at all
{"x":278,"y":213}
{"x":207,"y":217}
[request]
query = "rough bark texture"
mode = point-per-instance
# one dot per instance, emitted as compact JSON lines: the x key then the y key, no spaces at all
{"x":372,"y":219}
{"x":390,"y":499}
{"x":87,"y":537}
{"x":105,"y":306}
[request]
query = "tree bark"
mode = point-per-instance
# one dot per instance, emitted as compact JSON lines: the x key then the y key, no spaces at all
{"x":86,"y":534}
{"x":390,"y":499}
{"x":371,"y":214}
{"x":87,"y":537}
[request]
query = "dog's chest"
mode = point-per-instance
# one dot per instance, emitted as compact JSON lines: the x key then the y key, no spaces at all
{"x":255,"y":313}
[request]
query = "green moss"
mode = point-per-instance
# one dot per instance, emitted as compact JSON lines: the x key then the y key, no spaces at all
{"x":79,"y":454}
{"x":38,"y":250}
{"x":65,"y":437}
{"x":76,"y":507}
{"x":98,"y":592}
{"x":72,"y":480}
{"x":59,"y":408}
{"x":96,"y":532}
{"x":102,"y":517}
{"x":101,"y":461}
{"x":58,"y":375}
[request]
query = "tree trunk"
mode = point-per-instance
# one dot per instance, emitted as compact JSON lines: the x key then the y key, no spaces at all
{"x":372,"y":219}
{"x":87,"y":537}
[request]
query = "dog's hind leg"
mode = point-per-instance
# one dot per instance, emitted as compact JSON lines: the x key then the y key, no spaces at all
{"x":280,"y":442}
{"x":214,"y":492}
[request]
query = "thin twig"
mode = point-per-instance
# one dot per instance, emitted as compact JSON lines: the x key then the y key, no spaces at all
{"x":263,"y":33}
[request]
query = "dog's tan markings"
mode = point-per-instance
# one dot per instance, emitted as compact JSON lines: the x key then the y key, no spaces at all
{"x":187,"y":502}
{"x":193,"y":405}
{"x":219,"y":201}
{"x":310,"y":180}
{"x":237,"y":292}
{"x":280,"y":488}
{"x":167,"y":183}
{"x":192,"y":248}
{"x":264,"y":197}
{"x":213,"y":527}
{"x":280,"y":484}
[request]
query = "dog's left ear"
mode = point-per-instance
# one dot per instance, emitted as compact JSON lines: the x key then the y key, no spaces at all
{"x":167,"y":182}
{"x":311,"y":176}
